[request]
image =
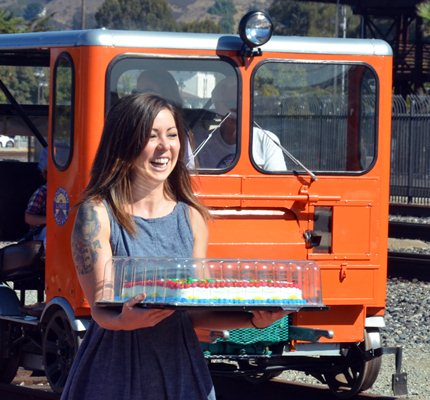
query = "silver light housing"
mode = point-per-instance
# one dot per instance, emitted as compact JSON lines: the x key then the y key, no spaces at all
{"x":255,"y":28}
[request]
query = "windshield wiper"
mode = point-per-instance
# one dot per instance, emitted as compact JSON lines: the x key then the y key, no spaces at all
{"x":200,"y":147}
{"x":288,"y":154}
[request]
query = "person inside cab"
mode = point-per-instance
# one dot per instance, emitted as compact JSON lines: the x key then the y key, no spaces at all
{"x":161,"y":82}
{"x":35,"y":213}
{"x":218,"y":149}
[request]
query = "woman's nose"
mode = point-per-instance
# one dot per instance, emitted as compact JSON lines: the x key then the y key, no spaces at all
{"x":163,"y":143}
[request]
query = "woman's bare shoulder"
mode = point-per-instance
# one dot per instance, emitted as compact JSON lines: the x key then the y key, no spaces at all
{"x":196,"y":217}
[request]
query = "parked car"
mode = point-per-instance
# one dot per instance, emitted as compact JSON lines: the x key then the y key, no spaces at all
{"x":6,"y":141}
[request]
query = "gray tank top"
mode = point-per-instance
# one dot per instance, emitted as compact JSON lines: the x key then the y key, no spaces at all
{"x":164,"y":362}
{"x":168,"y":236}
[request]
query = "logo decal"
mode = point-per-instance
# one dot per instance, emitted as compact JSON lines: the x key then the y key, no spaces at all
{"x":61,"y":206}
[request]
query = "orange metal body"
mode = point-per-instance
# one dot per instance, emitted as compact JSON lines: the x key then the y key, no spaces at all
{"x":353,"y":273}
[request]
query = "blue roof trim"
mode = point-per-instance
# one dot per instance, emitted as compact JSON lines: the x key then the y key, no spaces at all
{"x":200,"y":41}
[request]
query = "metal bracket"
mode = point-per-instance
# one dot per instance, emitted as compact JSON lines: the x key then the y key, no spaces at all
{"x":399,"y":381}
{"x":247,"y":52}
{"x":309,"y":334}
{"x":215,"y":335}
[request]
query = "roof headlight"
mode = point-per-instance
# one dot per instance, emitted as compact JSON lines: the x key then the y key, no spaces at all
{"x":255,"y":28}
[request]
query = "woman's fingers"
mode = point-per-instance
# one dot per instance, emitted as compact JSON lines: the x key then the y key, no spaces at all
{"x":137,"y":317}
{"x":134,"y":300}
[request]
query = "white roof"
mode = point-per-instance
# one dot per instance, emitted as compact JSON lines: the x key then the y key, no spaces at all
{"x":202,"y":41}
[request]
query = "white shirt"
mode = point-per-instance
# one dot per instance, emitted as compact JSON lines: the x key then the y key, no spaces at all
{"x":216,"y":153}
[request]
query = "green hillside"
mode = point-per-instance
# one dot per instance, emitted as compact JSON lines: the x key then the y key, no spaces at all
{"x":68,"y":13}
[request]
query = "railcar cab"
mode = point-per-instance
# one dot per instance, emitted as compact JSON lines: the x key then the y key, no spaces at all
{"x":304,"y":177}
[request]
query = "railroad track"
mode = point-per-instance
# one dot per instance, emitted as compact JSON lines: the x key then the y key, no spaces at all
{"x":409,"y":265}
{"x":409,"y":230}
{"x":226,"y":388}
{"x":405,"y":224}
{"x":409,"y":210}
{"x":14,"y":392}
{"x":409,"y":222}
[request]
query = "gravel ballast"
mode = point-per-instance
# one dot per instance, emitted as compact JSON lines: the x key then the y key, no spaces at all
{"x":407,"y":319}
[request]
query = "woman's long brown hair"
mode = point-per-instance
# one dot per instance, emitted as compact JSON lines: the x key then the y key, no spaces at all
{"x":125,"y":134}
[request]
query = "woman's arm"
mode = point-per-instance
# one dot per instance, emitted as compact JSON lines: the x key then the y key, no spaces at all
{"x":91,"y":252}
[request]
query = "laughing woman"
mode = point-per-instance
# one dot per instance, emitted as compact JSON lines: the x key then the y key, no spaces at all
{"x":140,"y":202}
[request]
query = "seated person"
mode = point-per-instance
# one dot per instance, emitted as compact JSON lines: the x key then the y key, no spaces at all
{"x":161,"y":82}
{"x":218,"y":150}
{"x":35,"y":214}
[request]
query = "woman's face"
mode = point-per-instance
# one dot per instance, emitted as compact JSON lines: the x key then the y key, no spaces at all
{"x":159,"y":156}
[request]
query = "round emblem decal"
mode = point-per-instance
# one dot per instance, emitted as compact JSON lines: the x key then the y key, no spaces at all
{"x":61,"y":206}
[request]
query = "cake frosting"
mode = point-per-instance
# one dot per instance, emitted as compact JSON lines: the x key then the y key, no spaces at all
{"x":214,"y":292}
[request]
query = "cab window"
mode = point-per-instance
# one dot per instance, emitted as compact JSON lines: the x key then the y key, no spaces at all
{"x":321,"y":116}
{"x":62,"y":123}
{"x":197,"y":87}
{"x":24,"y":96}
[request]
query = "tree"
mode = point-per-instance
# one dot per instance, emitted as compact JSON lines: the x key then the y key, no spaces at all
{"x":423,"y":10}
{"x":226,"y":10}
{"x":9,"y":23}
{"x":136,"y":14}
{"x":202,"y":26}
{"x":33,"y":11}
{"x":41,"y":23}
{"x":290,"y":17}
{"x":222,"y":7}
{"x":293,"y":17}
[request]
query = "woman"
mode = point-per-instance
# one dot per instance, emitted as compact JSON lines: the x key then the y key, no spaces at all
{"x":139,"y":202}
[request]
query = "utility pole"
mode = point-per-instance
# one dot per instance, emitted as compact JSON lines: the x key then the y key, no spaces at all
{"x":82,"y":14}
{"x":336,"y":22}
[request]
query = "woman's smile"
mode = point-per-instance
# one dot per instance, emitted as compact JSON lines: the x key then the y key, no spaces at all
{"x":160,"y":163}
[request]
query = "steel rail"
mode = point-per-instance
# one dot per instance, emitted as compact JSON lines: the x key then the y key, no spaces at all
{"x":14,"y":392}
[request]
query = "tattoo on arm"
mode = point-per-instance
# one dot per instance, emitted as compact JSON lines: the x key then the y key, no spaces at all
{"x":84,"y":242}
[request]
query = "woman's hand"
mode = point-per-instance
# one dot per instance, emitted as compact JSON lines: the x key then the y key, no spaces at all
{"x":262,"y":319}
{"x":133,"y":317}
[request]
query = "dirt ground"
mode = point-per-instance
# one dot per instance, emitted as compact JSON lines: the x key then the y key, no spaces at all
{"x":25,"y":378}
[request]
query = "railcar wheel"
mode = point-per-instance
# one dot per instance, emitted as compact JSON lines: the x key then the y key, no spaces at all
{"x":257,"y":376}
{"x":60,"y":344}
{"x":8,"y":365}
{"x":356,"y":374}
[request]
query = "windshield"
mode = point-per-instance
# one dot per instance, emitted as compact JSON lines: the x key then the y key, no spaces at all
{"x":323,"y":115}
{"x":206,"y":90}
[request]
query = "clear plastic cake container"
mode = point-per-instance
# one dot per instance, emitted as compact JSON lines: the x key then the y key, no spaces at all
{"x":245,"y":284}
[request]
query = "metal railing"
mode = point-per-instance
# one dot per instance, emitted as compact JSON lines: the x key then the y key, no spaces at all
{"x":302,"y":124}
{"x":410,"y":151}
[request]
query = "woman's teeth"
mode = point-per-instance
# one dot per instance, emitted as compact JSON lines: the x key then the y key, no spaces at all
{"x":160,"y":161}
